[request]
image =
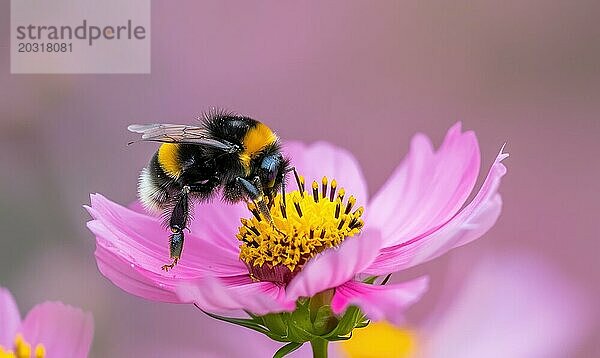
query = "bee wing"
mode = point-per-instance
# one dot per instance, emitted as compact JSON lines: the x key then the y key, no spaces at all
{"x":178,"y":133}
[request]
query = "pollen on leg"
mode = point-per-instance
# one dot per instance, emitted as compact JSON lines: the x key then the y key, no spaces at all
{"x":315,"y":222}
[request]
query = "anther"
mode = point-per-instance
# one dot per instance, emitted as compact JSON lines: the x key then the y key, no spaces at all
{"x":311,"y":234}
{"x":359,"y":211}
{"x":256,"y":214}
{"x":351,"y":202}
{"x":40,"y":351}
{"x":352,"y":223}
{"x":324,"y":187}
{"x":323,"y":233}
{"x":254,"y":230}
{"x":299,"y":182}
{"x":253,"y":244}
{"x":338,"y":206}
{"x":359,"y":224}
{"x":283,"y":210}
{"x":298,"y":208}
{"x":315,"y":190}
{"x":342,"y":222}
{"x":333,"y":187}
{"x":254,"y":210}
{"x":341,"y":194}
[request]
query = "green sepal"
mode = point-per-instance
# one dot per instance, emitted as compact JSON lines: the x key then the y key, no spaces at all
{"x":287,"y":349}
{"x":324,"y":321}
{"x":308,"y":323}
{"x":340,"y":338}
{"x":253,"y":316}
{"x":346,"y":323}
{"x":362,"y":324}
{"x":246,"y":323}
{"x":300,"y":326}
{"x":370,"y":280}
{"x":277,"y":323}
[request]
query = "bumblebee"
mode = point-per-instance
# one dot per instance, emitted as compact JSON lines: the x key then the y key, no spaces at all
{"x":236,"y":156}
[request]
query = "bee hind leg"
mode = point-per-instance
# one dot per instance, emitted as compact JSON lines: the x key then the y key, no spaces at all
{"x":175,"y":248}
{"x":177,"y":223}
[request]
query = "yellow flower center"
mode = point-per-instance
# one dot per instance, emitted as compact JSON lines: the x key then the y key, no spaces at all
{"x":22,"y":349}
{"x":306,"y":225}
{"x":380,"y":339}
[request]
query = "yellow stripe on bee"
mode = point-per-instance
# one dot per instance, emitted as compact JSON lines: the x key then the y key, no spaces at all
{"x":257,"y":138}
{"x":168,"y":158}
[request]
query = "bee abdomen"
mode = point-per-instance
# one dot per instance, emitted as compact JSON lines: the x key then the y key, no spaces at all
{"x":153,"y":187}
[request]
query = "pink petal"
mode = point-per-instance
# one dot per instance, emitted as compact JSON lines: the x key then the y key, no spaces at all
{"x":235,"y":293}
{"x":469,"y":224}
{"x":510,"y":306}
{"x":219,"y":222}
{"x":428,"y":188}
{"x":379,"y":302}
{"x":214,"y":219}
{"x":334,"y":267}
{"x":64,"y":331}
{"x":132,"y":247}
{"x":323,"y":159}
{"x":10,"y":319}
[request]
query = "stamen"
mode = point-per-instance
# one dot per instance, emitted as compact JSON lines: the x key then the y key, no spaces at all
{"x":40,"y":351}
{"x":333,"y":187}
{"x":341,"y":194}
{"x":22,"y":349}
{"x":254,"y":210}
{"x":299,"y":182}
{"x":324,"y":187}
{"x":342,"y":222}
{"x":298,"y":208}
{"x":253,"y":244}
{"x":351,"y":202}
{"x":276,"y":250}
{"x":283,"y":211}
{"x":358,"y":225}
{"x":254,"y":230}
{"x":352,"y":223}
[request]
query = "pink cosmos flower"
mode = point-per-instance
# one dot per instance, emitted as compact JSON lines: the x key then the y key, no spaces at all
{"x":415,"y":217}
{"x":505,"y":304}
{"x":50,"y":329}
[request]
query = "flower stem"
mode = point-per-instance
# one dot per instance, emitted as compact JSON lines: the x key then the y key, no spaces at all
{"x":319,"y":348}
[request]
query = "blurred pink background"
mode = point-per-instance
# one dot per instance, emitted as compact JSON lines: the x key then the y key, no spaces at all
{"x":363,"y":75}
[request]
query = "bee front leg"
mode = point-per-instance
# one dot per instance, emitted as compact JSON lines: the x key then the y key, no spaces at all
{"x":255,"y":193}
{"x":177,"y":223}
{"x":283,"y":180}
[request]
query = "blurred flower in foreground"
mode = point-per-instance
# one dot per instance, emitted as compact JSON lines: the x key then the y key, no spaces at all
{"x":50,"y":329}
{"x":415,"y":217}
{"x":508,"y":306}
